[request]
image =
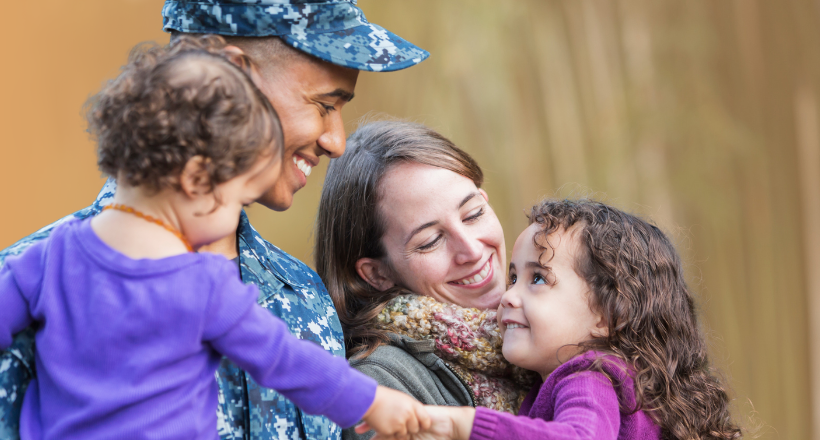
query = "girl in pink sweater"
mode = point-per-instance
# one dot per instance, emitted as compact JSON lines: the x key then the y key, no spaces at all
{"x":597,"y":305}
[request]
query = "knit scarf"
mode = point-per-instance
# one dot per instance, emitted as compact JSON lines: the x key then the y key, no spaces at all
{"x":469,"y":339}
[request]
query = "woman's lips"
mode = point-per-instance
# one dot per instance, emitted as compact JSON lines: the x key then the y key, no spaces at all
{"x":479,"y":278}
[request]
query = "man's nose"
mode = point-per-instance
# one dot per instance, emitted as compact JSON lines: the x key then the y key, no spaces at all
{"x":333,"y":139}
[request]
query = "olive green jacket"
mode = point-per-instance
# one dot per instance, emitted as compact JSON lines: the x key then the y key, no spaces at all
{"x":411,"y":367}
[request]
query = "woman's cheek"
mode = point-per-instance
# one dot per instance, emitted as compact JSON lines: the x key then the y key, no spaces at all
{"x":435,"y":269}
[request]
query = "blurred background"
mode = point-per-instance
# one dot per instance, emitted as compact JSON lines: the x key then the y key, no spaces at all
{"x":701,"y":115}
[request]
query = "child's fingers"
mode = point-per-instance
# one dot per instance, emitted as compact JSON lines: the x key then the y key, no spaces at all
{"x":412,"y":424}
{"x":363,"y":427}
{"x":423,"y":416}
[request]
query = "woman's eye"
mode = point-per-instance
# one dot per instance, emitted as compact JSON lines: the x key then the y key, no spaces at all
{"x":430,"y":244}
{"x":475,"y":216}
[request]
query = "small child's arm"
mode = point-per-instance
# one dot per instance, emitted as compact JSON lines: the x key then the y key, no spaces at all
{"x":311,"y":377}
{"x":586,"y":408}
{"x":18,"y":274}
{"x":19,"y":281}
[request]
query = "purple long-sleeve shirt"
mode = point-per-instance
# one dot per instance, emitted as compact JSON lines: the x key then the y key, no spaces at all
{"x":128,"y":348}
{"x":572,"y":404}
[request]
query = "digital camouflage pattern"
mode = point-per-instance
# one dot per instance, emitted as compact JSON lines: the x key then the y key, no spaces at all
{"x":247,"y":411}
{"x":334,"y":30}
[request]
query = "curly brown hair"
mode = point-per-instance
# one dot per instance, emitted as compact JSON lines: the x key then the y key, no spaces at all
{"x":170,"y":104}
{"x":636,"y":282}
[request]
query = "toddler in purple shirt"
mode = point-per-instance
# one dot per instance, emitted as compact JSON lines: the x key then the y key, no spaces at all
{"x":597,"y":305}
{"x":131,"y":324}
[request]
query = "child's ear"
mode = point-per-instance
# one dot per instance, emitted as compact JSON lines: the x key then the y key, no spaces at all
{"x":374,"y":273}
{"x":601,"y":329}
{"x":194,"y":179}
{"x":237,"y":56}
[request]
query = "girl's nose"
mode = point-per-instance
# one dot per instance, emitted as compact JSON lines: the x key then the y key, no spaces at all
{"x":510,"y":298}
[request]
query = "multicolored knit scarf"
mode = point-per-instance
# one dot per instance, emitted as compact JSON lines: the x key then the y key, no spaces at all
{"x":469,"y":339}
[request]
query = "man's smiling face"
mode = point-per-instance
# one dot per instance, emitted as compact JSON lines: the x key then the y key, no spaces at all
{"x":308,"y":94}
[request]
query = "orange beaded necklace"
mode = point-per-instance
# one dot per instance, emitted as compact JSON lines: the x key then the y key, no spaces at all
{"x":171,"y":229}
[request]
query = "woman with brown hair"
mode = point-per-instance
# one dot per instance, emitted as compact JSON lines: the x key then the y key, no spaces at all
{"x":414,"y":259}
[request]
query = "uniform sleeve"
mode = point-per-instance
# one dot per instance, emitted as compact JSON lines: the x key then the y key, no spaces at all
{"x":302,"y":371}
{"x":586,"y":408}
{"x":16,"y":371}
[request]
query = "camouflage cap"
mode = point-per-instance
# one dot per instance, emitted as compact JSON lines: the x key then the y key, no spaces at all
{"x":333,"y":30}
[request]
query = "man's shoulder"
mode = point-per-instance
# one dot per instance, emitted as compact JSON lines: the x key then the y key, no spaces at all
{"x":286,"y":267}
{"x":104,"y":197}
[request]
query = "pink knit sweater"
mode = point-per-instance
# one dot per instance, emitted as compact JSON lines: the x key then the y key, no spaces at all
{"x":572,"y":404}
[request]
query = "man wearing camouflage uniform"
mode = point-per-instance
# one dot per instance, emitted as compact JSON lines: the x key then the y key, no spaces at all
{"x":308,"y":88}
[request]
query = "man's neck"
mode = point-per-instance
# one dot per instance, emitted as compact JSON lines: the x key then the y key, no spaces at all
{"x":225,"y":246}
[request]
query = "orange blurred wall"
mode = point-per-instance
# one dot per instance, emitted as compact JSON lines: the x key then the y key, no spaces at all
{"x":57,"y":54}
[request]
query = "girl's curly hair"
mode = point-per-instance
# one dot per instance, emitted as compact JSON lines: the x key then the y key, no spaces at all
{"x":636,"y":282}
{"x":170,"y":104}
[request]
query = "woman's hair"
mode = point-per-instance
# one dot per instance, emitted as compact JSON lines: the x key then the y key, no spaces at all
{"x":172,"y":103}
{"x":349,"y":225}
{"x":636,"y":283}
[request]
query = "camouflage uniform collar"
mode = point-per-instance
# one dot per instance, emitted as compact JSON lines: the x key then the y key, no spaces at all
{"x":254,"y":248}
{"x":332,"y":30}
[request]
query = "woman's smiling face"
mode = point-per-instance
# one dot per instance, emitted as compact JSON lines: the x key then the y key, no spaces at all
{"x":442,"y":238}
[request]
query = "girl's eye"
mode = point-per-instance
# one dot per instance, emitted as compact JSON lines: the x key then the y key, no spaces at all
{"x":430,"y":245}
{"x":475,"y":216}
{"x":513,"y":279}
{"x":547,"y":278}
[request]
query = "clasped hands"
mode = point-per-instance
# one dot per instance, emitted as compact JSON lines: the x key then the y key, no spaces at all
{"x":397,"y":416}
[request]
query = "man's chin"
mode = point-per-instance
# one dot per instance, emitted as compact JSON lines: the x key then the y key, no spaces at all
{"x":276,"y":202}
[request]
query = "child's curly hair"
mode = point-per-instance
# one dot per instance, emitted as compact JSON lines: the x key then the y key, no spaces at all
{"x":170,"y":104}
{"x":636,"y":282}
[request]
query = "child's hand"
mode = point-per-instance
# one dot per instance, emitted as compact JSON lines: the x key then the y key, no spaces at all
{"x":394,"y":415}
{"x":447,"y":423}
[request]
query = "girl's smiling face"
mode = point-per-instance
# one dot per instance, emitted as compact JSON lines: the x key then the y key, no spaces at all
{"x":546,"y":310}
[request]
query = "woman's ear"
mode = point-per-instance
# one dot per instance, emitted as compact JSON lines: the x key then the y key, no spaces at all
{"x":194,"y":180}
{"x":484,"y":194}
{"x":374,"y":273}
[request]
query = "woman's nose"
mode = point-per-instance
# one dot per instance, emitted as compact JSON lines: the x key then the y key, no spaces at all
{"x":333,"y":139}
{"x":470,"y":249}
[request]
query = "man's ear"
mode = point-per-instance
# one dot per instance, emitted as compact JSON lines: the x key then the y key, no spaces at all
{"x":194,"y":179}
{"x":238,"y":56}
{"x":374,"y":273}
